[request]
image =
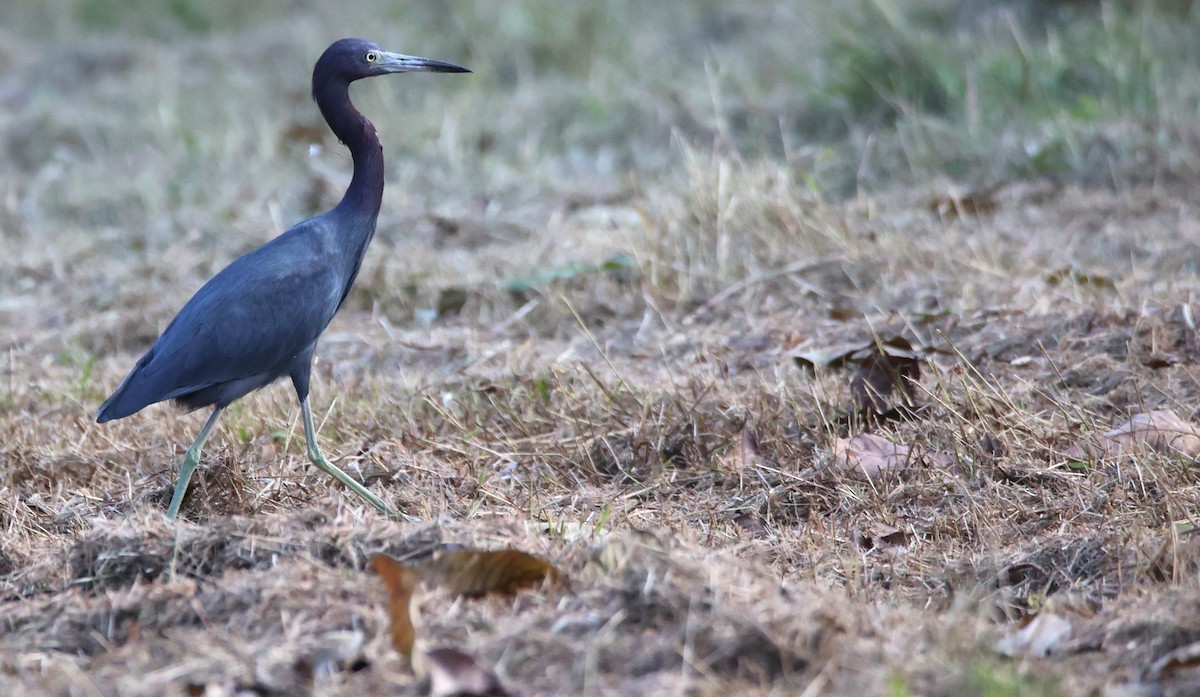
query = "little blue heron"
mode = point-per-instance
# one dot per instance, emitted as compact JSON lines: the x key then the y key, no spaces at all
{"x":259,"y":319}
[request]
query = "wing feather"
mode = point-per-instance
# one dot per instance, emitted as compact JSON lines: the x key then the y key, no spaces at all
{"x":251,"y":320}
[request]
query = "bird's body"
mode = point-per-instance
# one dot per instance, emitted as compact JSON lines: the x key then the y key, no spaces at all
{"x":259,"y":319}
{"x":216,"y":349}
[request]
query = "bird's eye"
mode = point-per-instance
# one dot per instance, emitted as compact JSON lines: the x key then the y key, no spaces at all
{"x":371,"y":56}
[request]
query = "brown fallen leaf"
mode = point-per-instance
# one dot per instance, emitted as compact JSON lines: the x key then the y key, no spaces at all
{"x":810,"y":358}
{"x":453,"y":673}
{"x":474,"y":573}
{"x":868,"y":454}
{"x":1163,"y":430}
{"x":891,"y":368}
{"x":939,"y":459}
{"x":400,"y":581}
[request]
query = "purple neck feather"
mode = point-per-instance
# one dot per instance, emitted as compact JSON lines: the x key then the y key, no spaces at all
{"x":365,"y":194}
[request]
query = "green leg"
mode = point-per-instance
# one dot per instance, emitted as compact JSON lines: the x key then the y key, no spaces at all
{"x":314,"y":454}
{"x":190,"y":460}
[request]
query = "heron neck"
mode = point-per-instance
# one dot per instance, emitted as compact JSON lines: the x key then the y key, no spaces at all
{"x":365,"y":194}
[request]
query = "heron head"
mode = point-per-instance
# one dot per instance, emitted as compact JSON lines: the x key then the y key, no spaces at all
{"x":353,"y":59}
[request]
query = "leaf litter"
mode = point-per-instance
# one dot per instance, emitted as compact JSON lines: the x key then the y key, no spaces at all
{"x":1161,"y":430}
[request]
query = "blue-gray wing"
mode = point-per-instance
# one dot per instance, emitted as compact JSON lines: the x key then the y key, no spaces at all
{"x":242,"y":330}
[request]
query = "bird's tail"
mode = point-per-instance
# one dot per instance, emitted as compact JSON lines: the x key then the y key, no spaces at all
{"x":130,"y":396}
{"x":119,"y":405}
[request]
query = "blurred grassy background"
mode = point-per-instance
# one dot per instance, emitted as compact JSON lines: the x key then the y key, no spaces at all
{"x":972,"y":89}
{"x":186,"y":131}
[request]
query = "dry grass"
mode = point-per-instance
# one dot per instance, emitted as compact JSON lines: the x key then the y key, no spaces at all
{"x":642,"y":424}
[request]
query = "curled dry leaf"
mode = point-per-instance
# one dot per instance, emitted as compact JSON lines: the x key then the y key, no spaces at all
{"x":400,"y":581}
{"x":1037,"y":639}
{"x":811,"y":358}
{"x":891,"y":368}
{"x":453,"y":673}
{"x":869,"y":455}
{"x":937,"y":458}
{"x":1161,"y":430}
{"x":474,"y":573}
{"x":882,"y":384}
{"x":470,"y":573}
